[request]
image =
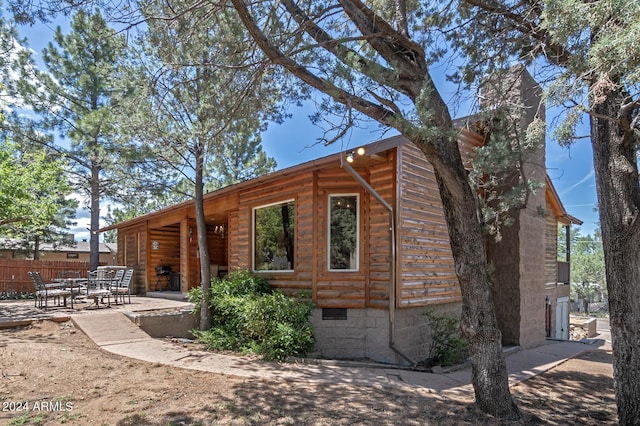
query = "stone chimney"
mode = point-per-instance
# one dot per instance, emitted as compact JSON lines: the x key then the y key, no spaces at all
{"x":519,"y":256}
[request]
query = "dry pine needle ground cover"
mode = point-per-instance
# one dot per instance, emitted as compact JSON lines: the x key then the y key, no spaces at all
{"x":64,"y":378}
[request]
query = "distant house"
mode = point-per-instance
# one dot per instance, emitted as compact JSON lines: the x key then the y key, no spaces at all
{"x":357,"y":230}
{"x":72,"y":251}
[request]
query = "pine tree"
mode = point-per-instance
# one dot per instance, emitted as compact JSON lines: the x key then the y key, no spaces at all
{"x":78,"y":104}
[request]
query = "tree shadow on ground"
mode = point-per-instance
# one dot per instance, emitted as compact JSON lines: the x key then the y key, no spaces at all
{"x":579,"y":391}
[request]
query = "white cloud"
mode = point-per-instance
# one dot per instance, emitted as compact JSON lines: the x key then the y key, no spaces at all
{"x":586,"y":178}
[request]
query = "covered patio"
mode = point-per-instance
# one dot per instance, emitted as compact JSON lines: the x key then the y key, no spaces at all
{"x":164,"y":248}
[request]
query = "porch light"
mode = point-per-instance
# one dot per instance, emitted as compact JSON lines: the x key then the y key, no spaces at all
{"x":361,"y":151}
{"x":350,"y":157}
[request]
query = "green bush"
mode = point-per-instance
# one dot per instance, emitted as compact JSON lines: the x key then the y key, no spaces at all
{"x":237,"y":283}
{"x":248,"y":316}
{"x":448,"y":347}
{"x":279,"y":325}
{"x":240,"y":283}
{"x":16,"y":296}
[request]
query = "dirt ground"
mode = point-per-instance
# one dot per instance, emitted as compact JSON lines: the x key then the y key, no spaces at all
{"x":53,"y":374}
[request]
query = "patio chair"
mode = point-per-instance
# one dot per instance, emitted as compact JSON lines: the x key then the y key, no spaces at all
{"x":114,"y":281}
{"x":123,"y":288}
{"x":98,"y":288}
{"x":45,"y":291}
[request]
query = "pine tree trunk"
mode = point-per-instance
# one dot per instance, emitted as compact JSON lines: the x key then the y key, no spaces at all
{"x":478,"y":322}
{"x":36,"y":248}
{"x":94,"y":238}
{"x":616,"y":172}
{"x":203,"y":245}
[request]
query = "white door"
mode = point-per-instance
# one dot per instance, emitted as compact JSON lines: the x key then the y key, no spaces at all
{"x":562,"y":318}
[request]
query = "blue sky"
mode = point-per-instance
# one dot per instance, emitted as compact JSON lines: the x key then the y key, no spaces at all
{"x":294,"y":142}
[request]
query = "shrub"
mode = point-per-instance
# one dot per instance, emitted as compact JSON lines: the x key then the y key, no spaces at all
{"x":249,"y":317}
{"x":240,"y":282}
{"x":16,"y":296}
{"x":448,"y":347}
{"x":279,"y":325}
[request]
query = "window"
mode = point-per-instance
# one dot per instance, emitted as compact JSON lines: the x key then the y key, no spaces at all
{"x":343,"y":232}
{"x":273,"y":237}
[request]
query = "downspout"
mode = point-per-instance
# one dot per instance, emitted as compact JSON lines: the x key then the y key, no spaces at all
{"x":392,"y":245}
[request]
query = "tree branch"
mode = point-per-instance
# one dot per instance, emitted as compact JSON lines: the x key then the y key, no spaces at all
{"x":401,"y":52}
{"x":375,"y":111}
{"x":14,"y":220}
{"x":348,"y":56}
{"x":559,"y":56}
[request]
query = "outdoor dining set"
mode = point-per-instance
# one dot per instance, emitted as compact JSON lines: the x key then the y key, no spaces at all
{"x":98,"y":286}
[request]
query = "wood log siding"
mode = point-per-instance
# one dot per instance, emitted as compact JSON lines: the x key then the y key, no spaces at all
{"x":338,"y":289}
{"x":402,"y":176}
{"x":167,"y":252}
{"x":217,"y":247}
{"x":233,"y":235}
{"x":425,"y":262}
{"x":132,"y":252}
{"x":298,"y":187}
{"x":369,"y":286}
{"x":132,"y":246}
{"x":382,"y":179}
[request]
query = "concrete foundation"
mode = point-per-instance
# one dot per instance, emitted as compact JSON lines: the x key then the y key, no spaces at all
{"x":365,"y":334}
{"x":165,"y":322}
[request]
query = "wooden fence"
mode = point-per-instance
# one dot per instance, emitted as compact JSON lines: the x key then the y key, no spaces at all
{"x":14,"y":278}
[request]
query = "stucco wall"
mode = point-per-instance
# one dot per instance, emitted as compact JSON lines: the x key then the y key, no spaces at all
{"x":532,"y":227}
{"x":519,"y":257}
{"x":532,"y":282}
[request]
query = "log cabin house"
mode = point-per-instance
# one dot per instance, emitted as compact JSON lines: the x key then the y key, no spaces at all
{"x":360,"y":232}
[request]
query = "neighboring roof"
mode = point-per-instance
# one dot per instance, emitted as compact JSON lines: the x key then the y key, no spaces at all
{"x":77,"y":247}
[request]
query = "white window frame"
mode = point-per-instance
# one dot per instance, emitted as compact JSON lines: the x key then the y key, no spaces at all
{"x":334,"y":195}
{"x":253,"y":237}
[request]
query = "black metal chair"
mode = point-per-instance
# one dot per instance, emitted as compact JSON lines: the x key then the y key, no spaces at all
{"x":45,"y":291}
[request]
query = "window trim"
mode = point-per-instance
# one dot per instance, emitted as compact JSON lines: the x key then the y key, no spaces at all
{"x":253,"y":236}
{"x":358,"y":226}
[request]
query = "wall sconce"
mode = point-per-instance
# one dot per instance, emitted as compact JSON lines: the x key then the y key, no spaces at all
{"x":350,"y":154}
